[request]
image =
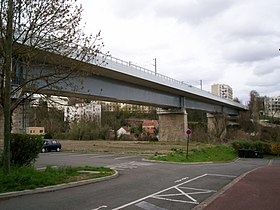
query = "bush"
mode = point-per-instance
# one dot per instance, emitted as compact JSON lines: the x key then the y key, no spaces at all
{"x":25,"y":148}
{"x":48,"y":136}
{"x":275,"y":148}
{"x":253,"y":145}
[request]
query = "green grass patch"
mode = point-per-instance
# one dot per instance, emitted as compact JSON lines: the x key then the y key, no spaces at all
{"x":212,"y":154}
{"x":23,"y":178}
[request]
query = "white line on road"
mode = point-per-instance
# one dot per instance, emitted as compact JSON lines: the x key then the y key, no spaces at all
{"x":125,"y":157}
{"x":82,"y":155}
{"x":100,"y":207}
{"x":101,"y":156}
{"x":148,"y":206}
{"x":154,"y":194}
{"x":221,"y":175}
{"x":180,"y":180}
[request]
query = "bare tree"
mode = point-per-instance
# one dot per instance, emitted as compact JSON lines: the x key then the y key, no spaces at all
{"x":255,"y":106}
{"x":217,"y":123}
{"x":42,"y":43}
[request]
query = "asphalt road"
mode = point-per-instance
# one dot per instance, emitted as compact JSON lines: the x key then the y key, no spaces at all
{"x":140,"y":184}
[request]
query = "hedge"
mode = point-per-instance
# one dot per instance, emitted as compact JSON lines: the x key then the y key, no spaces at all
{"x":268,"y":148}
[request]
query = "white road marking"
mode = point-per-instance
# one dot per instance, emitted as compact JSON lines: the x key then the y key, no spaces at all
{"x":129,"y":165}
{"x":101,"y":156}
{"x":125,"y":157}
{"x":180,"y":192}
{"x":148,"y":206}
{"x":157,"y":193}
{"x":100,"y":207}
{"x":82,"y":155}
{"x":230,"y":176}
{"x":180,"y":180}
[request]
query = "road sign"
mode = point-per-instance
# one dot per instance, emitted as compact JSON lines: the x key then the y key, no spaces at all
{"x":189,"y":132}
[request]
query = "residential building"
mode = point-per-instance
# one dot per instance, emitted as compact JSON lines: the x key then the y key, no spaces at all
{"x":80,"y":111}
{"x":124,"y":130}
{"x":150,"y":126}
{"x":272,"y":106}
{"x":222,"y":90}
{"x":35,"y":130}
{"x":115,"y":106}
{"x":58,"y":102}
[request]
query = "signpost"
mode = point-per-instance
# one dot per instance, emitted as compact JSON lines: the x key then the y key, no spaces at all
{"x":188,"y":132}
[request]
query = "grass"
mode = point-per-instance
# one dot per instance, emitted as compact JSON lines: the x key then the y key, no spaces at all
{"x":218,"y":153}
{"x":24,"y":178}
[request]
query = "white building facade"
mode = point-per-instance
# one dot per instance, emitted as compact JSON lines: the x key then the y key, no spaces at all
{"x":222,"y":90}
{"x":88,"y":111}
{"x":272,"y":106}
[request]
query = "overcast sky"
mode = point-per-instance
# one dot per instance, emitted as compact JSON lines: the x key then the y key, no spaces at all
{"x":233,"y":42}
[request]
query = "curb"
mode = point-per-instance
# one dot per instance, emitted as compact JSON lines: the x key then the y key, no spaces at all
{"x":57,"y":187}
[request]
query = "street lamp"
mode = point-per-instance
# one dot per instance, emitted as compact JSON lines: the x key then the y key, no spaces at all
{"x":155,"y":65}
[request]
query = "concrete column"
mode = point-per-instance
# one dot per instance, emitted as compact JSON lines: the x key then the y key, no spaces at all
{"x":19,"y":119}
{"x":216,"y":125}
{"x":172,"y":125}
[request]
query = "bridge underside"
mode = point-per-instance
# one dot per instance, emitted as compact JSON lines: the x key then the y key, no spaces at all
{"x":108,"y":89}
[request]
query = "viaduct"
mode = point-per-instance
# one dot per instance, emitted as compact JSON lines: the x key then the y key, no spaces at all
{"x":120,"y":81}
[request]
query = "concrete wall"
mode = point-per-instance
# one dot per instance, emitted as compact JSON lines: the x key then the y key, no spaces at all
{"x":173,"y":126}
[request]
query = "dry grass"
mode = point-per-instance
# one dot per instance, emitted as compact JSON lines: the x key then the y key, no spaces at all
{"x":127,"y":146}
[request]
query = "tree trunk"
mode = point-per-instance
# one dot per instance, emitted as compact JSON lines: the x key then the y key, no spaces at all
{"x":7,"y":90}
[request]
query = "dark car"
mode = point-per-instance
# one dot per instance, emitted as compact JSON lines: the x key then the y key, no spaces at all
{"x":51,"y":144}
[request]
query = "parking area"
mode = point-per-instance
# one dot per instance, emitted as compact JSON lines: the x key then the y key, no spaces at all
{"x":140,"y":185}
{"x":114,"y":161}
{"x":183,"y":195}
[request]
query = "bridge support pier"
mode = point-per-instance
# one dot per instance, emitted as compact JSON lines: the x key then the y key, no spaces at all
{"x":216,"y":125}
{"x":172,"y":125}
{"x":19,"y":119}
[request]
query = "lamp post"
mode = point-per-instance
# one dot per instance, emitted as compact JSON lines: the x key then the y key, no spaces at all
{"x":155,"y":65}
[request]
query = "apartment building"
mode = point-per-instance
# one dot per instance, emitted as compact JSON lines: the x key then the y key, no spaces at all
{"x":272,"y":106}
{"x":222,"y":90}
{"x":80,"y":111}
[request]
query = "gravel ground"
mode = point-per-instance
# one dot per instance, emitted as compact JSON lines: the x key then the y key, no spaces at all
{"x":126,"y":146}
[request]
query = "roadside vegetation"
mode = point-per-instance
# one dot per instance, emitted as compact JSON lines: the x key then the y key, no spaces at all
{"x":26,"y":177}
{"x":217,"y":153}
{"x":23,"y":175}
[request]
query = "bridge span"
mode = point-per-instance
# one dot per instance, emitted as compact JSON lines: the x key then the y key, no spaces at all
{"x":121,"y":81}
{"x":111,"y":79}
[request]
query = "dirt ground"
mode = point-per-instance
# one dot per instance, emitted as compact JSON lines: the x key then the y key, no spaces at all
{"x":126,"y":146}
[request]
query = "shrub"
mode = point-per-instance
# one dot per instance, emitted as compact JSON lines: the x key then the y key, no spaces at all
{"x":25,"y":148}
{"x":48,"y":136}
{"x":253,"y":145}
{"x":275,"y":148}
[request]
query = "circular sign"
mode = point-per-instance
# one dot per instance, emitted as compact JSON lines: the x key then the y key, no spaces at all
{"x":189,"y":132}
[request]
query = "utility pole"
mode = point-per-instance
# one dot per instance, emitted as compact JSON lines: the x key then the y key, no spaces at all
{"x":201,"y":84}
{"x":155,"y":65}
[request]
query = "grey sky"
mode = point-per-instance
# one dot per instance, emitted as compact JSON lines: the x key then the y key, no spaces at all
{"x":234,"y":42}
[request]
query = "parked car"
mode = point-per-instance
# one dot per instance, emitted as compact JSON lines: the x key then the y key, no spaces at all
{"x":51,"y":144}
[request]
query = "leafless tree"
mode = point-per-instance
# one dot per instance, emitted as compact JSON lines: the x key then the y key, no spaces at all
{"x":42,"y":43}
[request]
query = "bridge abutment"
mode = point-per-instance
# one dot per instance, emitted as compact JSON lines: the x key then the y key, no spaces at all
{"x":172,"y":125}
